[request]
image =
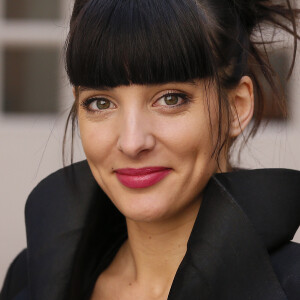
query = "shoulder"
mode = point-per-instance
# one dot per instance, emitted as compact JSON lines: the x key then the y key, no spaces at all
{"x":55,"y":215}
{"x":286,"y":264}
{"x":270,"y":199}
{"x":16,"y":281}
{"x":54,"y":207}
{"x":63,"y":193}
{"x":62,"y":183}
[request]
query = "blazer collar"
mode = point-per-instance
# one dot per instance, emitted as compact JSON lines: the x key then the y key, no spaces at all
{"x":226,"y":256}
{"x":270,"y":199}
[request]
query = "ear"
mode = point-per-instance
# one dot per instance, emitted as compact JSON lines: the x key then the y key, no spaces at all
{"x":242,"y":106}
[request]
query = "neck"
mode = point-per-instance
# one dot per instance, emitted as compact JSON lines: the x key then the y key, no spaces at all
{"x":154,"y":251}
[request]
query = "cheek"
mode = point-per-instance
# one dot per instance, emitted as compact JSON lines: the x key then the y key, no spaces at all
{"x":97,"y":140}
{"x":187,"y":136}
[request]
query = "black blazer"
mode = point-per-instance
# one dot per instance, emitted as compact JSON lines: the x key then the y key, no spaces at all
{"x":239,"y":248}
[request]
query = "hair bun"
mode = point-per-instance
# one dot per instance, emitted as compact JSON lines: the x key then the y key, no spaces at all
{"x":256,"y":12}
{"x":247,"y":11}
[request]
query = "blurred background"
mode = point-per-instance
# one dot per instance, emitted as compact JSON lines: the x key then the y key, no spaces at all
{"x":35,"y":97}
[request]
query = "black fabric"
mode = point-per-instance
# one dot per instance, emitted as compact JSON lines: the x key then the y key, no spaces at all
{"x":55,"y":216}
{"x":286,"y":263}
{"x":239,"y":247}
{"x":270,"y":198}
{"x":16,"y":278}
{"x":220,"y":260}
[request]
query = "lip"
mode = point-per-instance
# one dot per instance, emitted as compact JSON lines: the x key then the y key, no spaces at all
{"x":141,"y":178}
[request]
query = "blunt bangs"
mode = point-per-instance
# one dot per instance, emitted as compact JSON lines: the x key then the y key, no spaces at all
{"x":113,"y":42}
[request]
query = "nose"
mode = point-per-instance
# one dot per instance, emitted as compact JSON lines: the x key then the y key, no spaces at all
{"x":136,"y":135}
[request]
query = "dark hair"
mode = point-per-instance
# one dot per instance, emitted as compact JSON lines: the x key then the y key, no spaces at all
{"x":113,"y":42}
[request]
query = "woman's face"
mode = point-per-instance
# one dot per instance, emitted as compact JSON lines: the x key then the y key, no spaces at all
{"x":149,"y":146}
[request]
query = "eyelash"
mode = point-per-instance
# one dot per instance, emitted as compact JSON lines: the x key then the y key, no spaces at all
{"x":86,"y":104}
{"x":185,"y":100}
{"x":184,"y":97}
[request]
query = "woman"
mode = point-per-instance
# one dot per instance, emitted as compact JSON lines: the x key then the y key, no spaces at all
{"x":162,"y":90}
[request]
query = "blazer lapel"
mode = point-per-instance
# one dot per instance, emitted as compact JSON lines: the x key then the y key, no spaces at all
{"x":270,"y":198}
{"x":225,"y":258}
{"x":55,"y":216}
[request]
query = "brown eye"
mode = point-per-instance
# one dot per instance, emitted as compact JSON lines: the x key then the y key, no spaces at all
{"x":171,"y":99}
{"x":102,"y":103}
{"x":98,"y":104}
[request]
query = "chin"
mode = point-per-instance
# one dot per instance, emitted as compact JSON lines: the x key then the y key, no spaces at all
{"x":143,"y":209}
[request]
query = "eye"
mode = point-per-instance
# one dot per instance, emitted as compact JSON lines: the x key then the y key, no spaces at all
{"x":98,"y":104}
{"x":172,"y":99}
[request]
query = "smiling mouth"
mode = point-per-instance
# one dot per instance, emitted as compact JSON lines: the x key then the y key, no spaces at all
{"x":141,"y":178}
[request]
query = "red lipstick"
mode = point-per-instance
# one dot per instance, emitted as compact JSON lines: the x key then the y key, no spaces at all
{"x":141,"y":178}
